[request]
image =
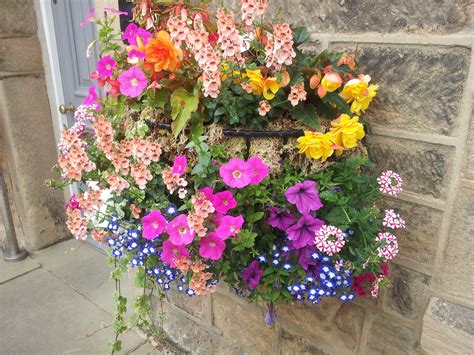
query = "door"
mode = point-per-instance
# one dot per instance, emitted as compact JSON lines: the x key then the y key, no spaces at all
{"x":72,"y":42}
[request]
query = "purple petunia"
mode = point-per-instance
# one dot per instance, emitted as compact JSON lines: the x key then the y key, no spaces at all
{"x":302,"y":233}
{"x":280,"y":218}
{"x":252,"y":274}
{"x":305,"y":196}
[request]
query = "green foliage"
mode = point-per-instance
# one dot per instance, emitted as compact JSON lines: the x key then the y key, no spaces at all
{"x":183,"y":104}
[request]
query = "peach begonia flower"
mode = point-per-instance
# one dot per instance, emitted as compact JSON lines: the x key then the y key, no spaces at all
{"x":162,"y":54}
{"x":329,"y":83}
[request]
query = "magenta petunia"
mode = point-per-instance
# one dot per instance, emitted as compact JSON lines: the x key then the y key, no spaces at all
{"x":133,"y":31}
{"x":260,"y":170}
{"x":208,"y":192}
{"x":179,"y":165}
{"x":179,"y":231}
{"x":91,"y":99}
{"x":224,"y":201}
{"x":302,"y":233}
{"x":305,"y":196}
{"x":236,"y":173}
{"x":252,"y":274}
{"x":115,"y":11}
{"x":280,"y":218}
{"x":211,"y":247}
{"x":89,"y":18}
{"x":132,"y":82}
{"x":171,"y":252}
{"x":106,"y":65}
{"x":153,"y":225}
{"x":229,"y":226}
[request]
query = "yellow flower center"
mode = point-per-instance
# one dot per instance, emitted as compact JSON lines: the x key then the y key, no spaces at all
{"x":182,"y":230}
{"x":134,"y":82}
{"x":237,"y":174}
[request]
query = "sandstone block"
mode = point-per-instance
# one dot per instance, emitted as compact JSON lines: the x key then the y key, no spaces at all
{"x":456,"y":277}
{"x":419,"y":240}
{"x":424,"y":167}
{"x":448,"y":328}
{"x":18,"y":17}
{"x":291,"y":344}
{"x":196,"y":306}
{"x":20,"y":55}
{"x":469,"y":158}
{"x":409,"y":97}
{"x":388,"y":336}
{"x":405,"y":296}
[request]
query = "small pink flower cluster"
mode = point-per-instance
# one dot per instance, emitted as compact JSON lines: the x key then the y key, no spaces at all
{"x":82,"y":115}
{"x":199,"y":278}
{"x":297,"y":94}
{"x":90,"y":200}
{"x":202,"y":209}
{"x":104,"y":134}
{"x":141,"y":175}
{"x":76,"y":223}
{"x":74,"y":160}
{"x":390,"y":248}
{"x":393,"y":220}
{"x":172,"y":177}
{"x":264,"y":106}
{"x":329,"y":240}
{"x":144,"y":151}
{"x":99,"y":235}
{"x":390,"y":183}
{"x":251,"y":9}
{"x":279,"y":48}
{"x":178,"y":28}
{"x":117,"y":183}
{"x":229,"y":40}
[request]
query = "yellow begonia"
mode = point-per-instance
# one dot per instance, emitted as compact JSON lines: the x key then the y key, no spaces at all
{"x":261,"y":85}
{"x":347,"y":131}
{"x":316,"y":145}
{"x":360,"y":93}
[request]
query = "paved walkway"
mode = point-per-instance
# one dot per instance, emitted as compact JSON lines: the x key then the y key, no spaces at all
{"x":59,"y":301}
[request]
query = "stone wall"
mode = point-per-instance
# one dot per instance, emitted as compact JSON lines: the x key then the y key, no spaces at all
{"x":27,"y":141}
{"x":420,"y":52}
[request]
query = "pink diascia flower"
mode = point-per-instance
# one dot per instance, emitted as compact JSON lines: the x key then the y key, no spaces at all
{"x":172,"y":252}
{"x":264,"y":107}
{"x":211,"y":247}
{"x":297,"y":94}
{"x":390,"y":248}
{"x":224,"y":201}
{"x":260,"y":170}
{"x":329,"y":240}
{"x":390,"y":183}
{"x":179,"y":231}
{"x":236,"y":173}
{"x":132,"y":82}
{"x":393,"y":220}
{"x":153,"y":225}
{"x":105,"y":66}
{"x":179,"y":165}
{"x":229,"y":226}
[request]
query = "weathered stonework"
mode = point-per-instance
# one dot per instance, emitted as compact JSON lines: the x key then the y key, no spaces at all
{"x":425,"y":167}
{"x":387,"y":336}
{"x":17,"y":18}
{"x":407,"y":292}
{"x":291,"y":344}
{"x":448,"y":328}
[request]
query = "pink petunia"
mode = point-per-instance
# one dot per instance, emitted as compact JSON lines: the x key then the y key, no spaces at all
{"x":91,"y":99}
{"x":208,"y":192}
{"x":305,"y":196}
{"x":179,"y":231}
{"x":302,"y":232}
{"x":105,"y":66}
{"x":132,"y":82}
{"x":171,"y":252}
{"x":211,"y":247}
{"x":179,"y":166}
{"x":260,"y":170}
{"x":224,"y":201}
{"x":236,"y":173}
{"x":229,"y":226}
{"x":133,"y":31}
{"x":153,"y":225}
{"x":89,"y":18}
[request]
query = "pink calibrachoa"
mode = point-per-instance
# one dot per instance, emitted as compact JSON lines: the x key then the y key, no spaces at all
{"x":132,"y":82}
{"x":329,"y":240}
{"x":179,"y":231}
{"x":224,"y":201}
{"x":260,"y":170}
{"x":393,"y":220}
{"x":211,"y":247}
{"x":390,"y":183}
{"x":106,"y":65}
{"x":390,"y":248}
{"x":229,"y":226}
{"x":297,"y":94}
{"x":264,"y":107}
{"x":236,"y":173}
{"x":172,"y":252}
{"x":153,"y":225}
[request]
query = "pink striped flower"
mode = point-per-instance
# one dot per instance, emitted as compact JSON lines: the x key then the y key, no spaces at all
{"x":393,"y":220}
{"x":390,"y":183}
{"x":389,"y":248}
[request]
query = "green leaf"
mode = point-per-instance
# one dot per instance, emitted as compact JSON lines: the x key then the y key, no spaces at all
{"x":307,"y":114}
{"x":256,"y":217}
{"x":183,"y":104}
{"x":334,"y":99}
{"x":300,"y":35}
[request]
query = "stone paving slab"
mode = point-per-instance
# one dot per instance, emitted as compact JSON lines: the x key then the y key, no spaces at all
{"x":9,"y":271}
{"x":41,"y":315}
